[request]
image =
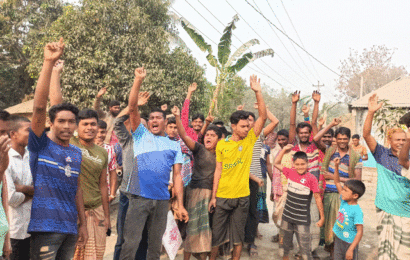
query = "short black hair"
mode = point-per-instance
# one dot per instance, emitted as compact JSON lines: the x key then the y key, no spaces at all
{"x":102,"y":124}
{"x":343,"y":131}
{"x":303,"y":125}
{"x":283,"y":132}
{"x":218,"y":122}
{"x":171,"y":120}
{"x":356,"y":186}
{"x":223,"y":130}
{"x":114,"y":103}
{"x":216,"y":129}
{"x":251,"y":114}
{"x":198,"y":115}
{"x":4,"y":115}
{"x":52,"y":113}
{"x":355,"y":136}
{"x":331,"y":132}
{"x":157,"y":109}
{"x":15,"y":121}
{"x":237,"y":116}
{"x":87,"y":114}
{"x":300,"y":155}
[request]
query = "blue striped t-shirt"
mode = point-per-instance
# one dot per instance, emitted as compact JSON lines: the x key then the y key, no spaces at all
{"x":55,"y":171}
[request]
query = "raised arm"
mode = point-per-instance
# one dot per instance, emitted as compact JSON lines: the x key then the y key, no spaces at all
{"x":292,"y":127}
{"x":52,"y":53}
{"x":279,"y":157}
{"x":260,"y":122}
{"x":373,"y":106}
{"x":337,"y":176}
{"x":404,"y":153}
{"x":272,"y":125}
{"x":135,"y":117}
{"x":97,"y":102}
{"x":181,"y":131}
{"x":56,"y":96}
{"x":208,"y":120}
{"x":185,"y":107}
{"x":317,"y":138}
{"x":316,"y":98}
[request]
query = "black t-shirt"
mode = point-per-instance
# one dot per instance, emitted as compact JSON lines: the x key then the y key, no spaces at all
{"x":204,"y":168}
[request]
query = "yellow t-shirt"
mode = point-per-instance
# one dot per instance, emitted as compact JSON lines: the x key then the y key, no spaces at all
{"x":236,"y":158}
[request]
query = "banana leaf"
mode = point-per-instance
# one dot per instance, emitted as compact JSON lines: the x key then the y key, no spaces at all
{"x":241,"y":50}
{"x":195,"y":36}
{"x":224,"y":46}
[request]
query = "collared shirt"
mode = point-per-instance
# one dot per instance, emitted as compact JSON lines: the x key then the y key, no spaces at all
{"x":19,"y":172}
{"x":387,"y":159}
{"x":155,"y":155}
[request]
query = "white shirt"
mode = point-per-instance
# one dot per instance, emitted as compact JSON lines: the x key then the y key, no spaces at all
{"x":19,"y":172}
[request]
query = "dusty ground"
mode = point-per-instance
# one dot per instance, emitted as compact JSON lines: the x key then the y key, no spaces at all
{"x":269,"y":250}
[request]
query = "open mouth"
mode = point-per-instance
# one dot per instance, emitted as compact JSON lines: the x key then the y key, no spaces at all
{"x":155,"y":128}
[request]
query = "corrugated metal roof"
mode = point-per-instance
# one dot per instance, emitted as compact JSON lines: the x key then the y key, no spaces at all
{"x":397,"y":92}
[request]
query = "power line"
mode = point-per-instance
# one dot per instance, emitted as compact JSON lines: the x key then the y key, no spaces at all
{"x":261,"y":71}
{"x":292,"y":40}
{"x":297,"y":64}
{"x":294,"y":28}
{"x":293,"y":45}
{"x":266,"y":42}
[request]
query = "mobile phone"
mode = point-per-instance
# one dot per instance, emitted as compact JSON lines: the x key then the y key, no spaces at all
{"x":109,"y":232}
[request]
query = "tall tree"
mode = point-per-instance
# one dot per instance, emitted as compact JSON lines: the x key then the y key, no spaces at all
{"x":226,"y":65}
{"x":374,"y":65}
{"x":22,"y":23}
{"x":106,"y":40}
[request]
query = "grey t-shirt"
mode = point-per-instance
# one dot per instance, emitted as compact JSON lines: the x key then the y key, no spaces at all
{"x":204,"y":168}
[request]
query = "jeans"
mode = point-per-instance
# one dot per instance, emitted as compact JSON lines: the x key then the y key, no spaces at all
{"x":144,"y":212}
{"x":251,"y":227}
{"x":122,"y":212}
{"x":20,"y":249}
{"x":50,"y":246}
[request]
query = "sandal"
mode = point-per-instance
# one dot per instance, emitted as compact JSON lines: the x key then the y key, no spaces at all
{"x":275,"y":239}
{"x":253,"y":250}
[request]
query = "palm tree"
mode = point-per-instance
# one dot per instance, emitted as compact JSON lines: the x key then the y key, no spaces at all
{"x":226,"y":65}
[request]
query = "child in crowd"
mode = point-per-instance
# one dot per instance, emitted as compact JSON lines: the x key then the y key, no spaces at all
{"x":296,"y":215}
{"x":349,"y":223}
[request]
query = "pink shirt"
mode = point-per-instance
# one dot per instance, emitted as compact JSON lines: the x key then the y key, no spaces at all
{"x":185,"y":121}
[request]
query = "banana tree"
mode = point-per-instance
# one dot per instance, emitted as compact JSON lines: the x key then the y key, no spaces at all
{"x":226,"y":65}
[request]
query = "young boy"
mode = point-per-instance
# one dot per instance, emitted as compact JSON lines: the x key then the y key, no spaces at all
{"x":296,"y":215}
{"x":349,"y":223}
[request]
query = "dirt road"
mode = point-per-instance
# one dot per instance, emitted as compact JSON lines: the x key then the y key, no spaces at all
{"x":269,"y":250}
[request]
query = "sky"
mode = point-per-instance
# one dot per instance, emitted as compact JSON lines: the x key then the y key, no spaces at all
{"x":327,"y":29}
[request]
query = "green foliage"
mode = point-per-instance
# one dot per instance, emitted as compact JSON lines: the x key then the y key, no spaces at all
{"x":232,"y":96}
{"x":106,"y":40}
{"x":22,"y":23}
{"x":387,"y":117}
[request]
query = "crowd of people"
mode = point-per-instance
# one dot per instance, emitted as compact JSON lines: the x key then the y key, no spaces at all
{"x":58,"y":182}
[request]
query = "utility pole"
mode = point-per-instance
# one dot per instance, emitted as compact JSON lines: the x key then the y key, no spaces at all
{"x":318,"y":86}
